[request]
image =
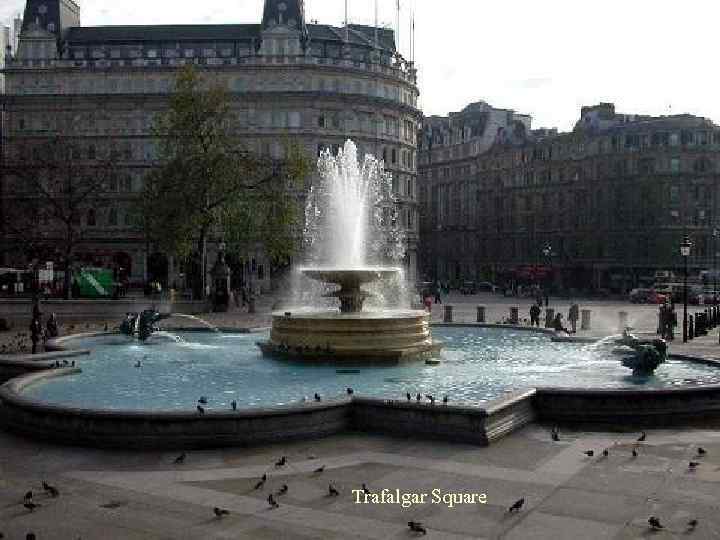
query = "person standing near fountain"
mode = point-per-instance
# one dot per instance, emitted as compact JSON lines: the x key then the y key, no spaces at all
{"x":535,"y":315}
{"x":573,"y":316}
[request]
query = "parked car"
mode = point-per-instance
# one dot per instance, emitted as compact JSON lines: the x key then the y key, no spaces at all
{"x":647,"y":296}
{"x":468,"y":287}
{"x":486,"y":286}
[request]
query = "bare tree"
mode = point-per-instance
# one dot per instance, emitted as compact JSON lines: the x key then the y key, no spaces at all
{"x":54,"y":186}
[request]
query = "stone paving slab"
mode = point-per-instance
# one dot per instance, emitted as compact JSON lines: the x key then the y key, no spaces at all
{"x":568,"y":495}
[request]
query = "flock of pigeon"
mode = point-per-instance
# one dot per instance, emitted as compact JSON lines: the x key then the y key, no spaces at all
{"x":653,"y":521}
{"x":317,"y":398}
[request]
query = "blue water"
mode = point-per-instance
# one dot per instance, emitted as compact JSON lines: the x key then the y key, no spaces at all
{"x":477,"y":365}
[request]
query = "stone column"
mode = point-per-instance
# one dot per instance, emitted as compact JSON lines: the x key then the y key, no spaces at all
{"x":481,"y":314}
{"x":585,"y":319}
{"x":448,"y":318}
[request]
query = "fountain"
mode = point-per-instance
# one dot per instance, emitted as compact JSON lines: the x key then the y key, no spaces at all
{"x":141,"y":324}
{"x":350,"y":224}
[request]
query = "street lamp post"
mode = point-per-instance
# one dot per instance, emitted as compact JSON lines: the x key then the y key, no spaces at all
{"x":714,"y":248}
{"x":685,"y":252}
{"x":547,"y":253}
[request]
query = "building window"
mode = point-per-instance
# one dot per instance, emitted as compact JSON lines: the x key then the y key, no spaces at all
{"x":394,"y":156}
{"x":112,"y":218}
{"x":91,"y":218}
{"x":321,"y":121}
{"x":674,"y":194}
{"x":675,"y":165}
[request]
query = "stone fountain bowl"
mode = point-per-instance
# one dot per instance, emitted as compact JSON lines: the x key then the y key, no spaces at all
{"x":356,"y":277}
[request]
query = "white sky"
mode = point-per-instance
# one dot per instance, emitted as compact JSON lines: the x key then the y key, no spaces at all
{"x":542,"y":58}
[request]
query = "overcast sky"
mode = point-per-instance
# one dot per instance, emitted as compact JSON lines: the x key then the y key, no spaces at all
{"x":542,"y":58}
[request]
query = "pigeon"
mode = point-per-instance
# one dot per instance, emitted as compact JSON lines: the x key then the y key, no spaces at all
{"x":701,"y":451}
{"x":261,"y":482}
{"x":320,"y":469}
{"x":554,"y":434}
{"x":317,"y":397}
{"x":332,"y":491}
{"x":203,"y":400}
{"x":138,"y":364}
{"x":634,"y":453}
{"x":281,"y":462}
{"x":28,"y":496}
{"x":517,"y":505}
{"x":51,"y":490}
{"x":589,"y":453}
{"x":272,"y":502}
{"x":180,"y":459}
{"x":409,"y":397}
{"x":655,"y":523}
{"x":31,"y":506}
{"x":200,"y":409}
{"x":693,"y":465}
{"x":692,"y":523}
{"x":606,"y":453}
{"x":283,"y":490}
{"x":350,"y":391}
{"x":220,"y":512}
{"x":234,"y":405}
{"x":642,"y":436}
{"x":416,"y":526}
{"x":366,"y":491}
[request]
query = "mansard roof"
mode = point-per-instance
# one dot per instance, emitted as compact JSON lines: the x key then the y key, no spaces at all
{"x":359,"y":35}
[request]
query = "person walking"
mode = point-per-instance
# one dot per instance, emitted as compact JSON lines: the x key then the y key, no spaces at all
{"x":535,"y":315}
{"x":437,"y":288}
{"x":573,"y":316}
{"x":51,"y":327}
{"x":35,"y":333}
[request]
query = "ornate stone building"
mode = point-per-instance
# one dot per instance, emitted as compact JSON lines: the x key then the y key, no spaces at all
{"x":612,"y":199}
{"x":313,"y":83}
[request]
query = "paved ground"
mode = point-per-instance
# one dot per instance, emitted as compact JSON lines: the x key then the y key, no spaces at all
{"x":108,"y":495}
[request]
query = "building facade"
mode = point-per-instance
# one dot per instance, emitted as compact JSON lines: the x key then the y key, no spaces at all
{"x":602,"y":207}
{"x":315,"y":84}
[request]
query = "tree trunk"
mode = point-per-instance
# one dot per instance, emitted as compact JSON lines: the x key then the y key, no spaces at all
{"x":68,"y":276}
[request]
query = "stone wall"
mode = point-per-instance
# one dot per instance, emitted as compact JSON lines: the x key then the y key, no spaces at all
{"x":19,"y":310}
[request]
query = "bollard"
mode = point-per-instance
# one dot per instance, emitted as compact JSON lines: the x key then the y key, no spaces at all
{"x":514,"y":315}
{"x":481,"y":314}
{"x":549,"y":317}
{"x":585,"y":319}
{"x":448,"y":314}
{"x":622,"y":321}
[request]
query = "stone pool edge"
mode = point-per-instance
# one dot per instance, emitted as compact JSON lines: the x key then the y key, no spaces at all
{"x":624,"y":409}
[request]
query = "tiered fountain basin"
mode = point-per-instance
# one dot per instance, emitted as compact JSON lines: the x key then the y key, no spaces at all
{"x":392,"y":335}
{"x":351,"y":334}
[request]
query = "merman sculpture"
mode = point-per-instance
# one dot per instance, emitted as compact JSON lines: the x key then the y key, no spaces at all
{"x":141,"y":324}
{"x":643,"y":356}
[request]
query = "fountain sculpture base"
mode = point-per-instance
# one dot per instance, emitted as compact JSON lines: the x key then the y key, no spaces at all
{"x":387,"y":336}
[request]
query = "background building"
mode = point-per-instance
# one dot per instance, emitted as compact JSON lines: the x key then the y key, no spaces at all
{"x":314,"y":83}
{"x":612,"y":198}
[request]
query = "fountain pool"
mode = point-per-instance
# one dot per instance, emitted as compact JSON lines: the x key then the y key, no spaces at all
{"x":478,"y":365}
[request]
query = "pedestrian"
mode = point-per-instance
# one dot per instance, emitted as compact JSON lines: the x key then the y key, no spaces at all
{"x":557,"y":324}
{"x":51,"y":327}
{"x":573,"y":316}
{"x":535,"y":315}
{"x":428,"y":301}
{"x":35,"y":333}
{"x":438,"y":288}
